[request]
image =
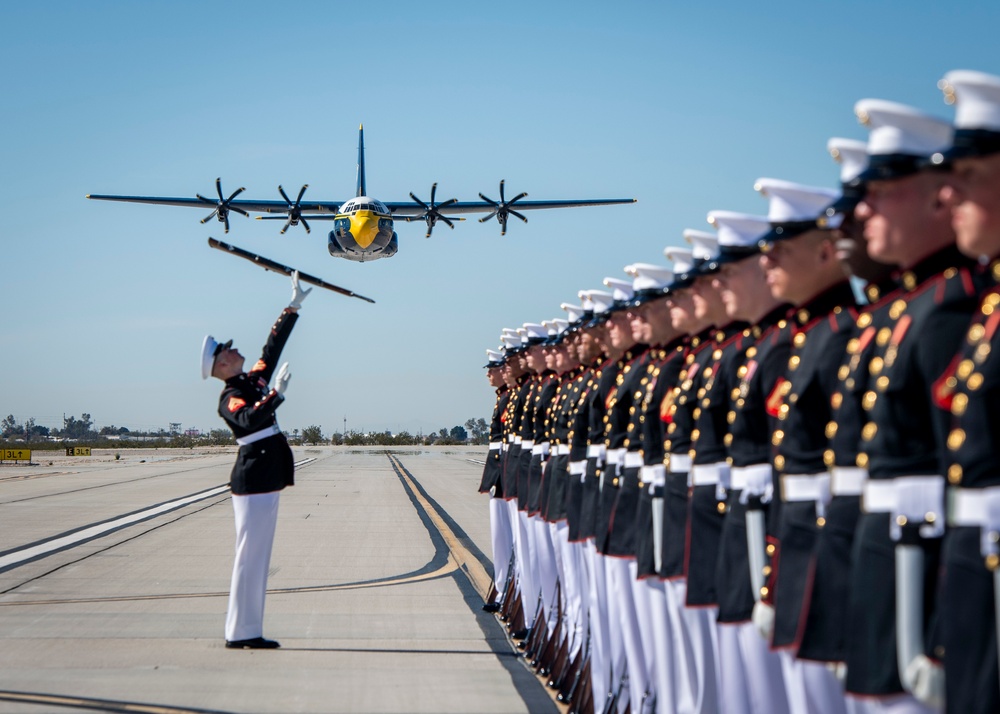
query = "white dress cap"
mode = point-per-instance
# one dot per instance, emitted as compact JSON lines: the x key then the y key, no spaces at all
{"x":793,"y":203}
{"x":511,"y":342}
{"x":588,"y":304}
{"x":704,"y":245}
{"x":738,"y":230}
{"x":560,"y":324}
{"x":494,"y":357}
{"x":976,"y":96}
{"x":646,"y":276}
{"x":851,"y":154}
{"x":899,"y":129}
{"x":621,"y":290}
{"x":681,"y":258}
{"x":573,"y":312}
{"x":534,"y":332}
{"x":602,"y":300}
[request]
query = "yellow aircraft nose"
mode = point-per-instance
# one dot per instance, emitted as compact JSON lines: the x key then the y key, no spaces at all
{"x":364,"y":228}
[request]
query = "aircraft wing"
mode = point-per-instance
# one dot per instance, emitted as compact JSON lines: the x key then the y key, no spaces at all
{"x":209,"y":204}
{"x":404,"y":209}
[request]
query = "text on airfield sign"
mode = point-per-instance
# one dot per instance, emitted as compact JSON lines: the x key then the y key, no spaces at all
{"x":77,"y":451}
{"x":15,"y":454}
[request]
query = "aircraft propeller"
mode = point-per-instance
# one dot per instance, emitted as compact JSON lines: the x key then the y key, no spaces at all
{"x":222,"y":206}
{"x":294,"y":216}
{"x":503,"y":209}
{"x":432,"y":213}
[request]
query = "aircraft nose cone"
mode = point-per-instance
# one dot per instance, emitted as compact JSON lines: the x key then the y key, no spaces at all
{"x":365,"y":229}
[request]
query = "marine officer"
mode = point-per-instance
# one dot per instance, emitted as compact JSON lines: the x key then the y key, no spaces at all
{"x":907,"y":224}
{"x":263,"y":467}
{"x":802,"y":268}
{"x":970,"y":552}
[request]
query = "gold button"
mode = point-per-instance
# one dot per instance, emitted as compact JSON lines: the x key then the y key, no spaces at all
{"x":735,"y":393}
{"x":786,"y":387}
{"x":614,"y":482}
{"x":955,"y":474}
{"x":956,"y":438}
{"x":779,"y":462}
{"x":864,"y":320}
{"x":836,"y":400}
{"x":731,"y":417}
{"x":965,"y":368}
{"x":671,"y":429}
{"x":692,"y":453}
{"x":751,"y":352}
{"x":706,"y":402}
{"x":975,"y":381}
{"x":976,"y":333}
{"x":803,"y":316}
{"x":909,"y":280}
{"x":766,"y":570}
{"x":696,"y":413}
{"x":897,"y":309}
{"x":727,"y":440}
{"x":820,"y":522}
{"x":793,"y":362}
{"x":875,"y":366}
{"x":843,"y":372}
{"x":770,"y":551}
{"x":783,"y":412}
{"x":853,"y":346}
{"x":882,"y":383}
{"x":862,"y":461}
{"x":742,"y":371}
{"x":721,"y":507}
{"x":982,"y":352}
{"x":868,"y":433}
{"x":992,"y":561}
{"x":959,"y":404}
{"x":901,"y":520}
{"x":799,"y":339}
{"x":868,"y":401}
{"x":831,"y":430}
{"x":695,"y":434}
{"x":829,"y":458}
{"x":764,"y":591}
{"x":777,"y":437}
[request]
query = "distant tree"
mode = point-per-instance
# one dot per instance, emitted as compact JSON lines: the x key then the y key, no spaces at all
{"x":220,"y":437}
{"x":312,"y":434}
{"x":337,"y":439}
{"x":443,"y":433}
{"x":479,"y":429}
{"x":74,"y":428}
{"x":458,"y":433}
{"x":10,"y":427}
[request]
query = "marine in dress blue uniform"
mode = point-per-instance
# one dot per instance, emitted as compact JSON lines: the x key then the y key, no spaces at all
{"x":264,"y":467}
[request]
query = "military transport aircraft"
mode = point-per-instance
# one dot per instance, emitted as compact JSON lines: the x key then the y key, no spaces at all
{"x":362,"y":226}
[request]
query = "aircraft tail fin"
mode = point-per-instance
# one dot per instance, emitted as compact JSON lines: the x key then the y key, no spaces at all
{"x":362,"y":191}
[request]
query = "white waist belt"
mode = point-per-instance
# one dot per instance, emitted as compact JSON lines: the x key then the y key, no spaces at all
{"x":516,"y":440}
{"x":616,"y":456}
{"x":633,"y":459}
{"x":258,"y":435}
{"x":879,"y":496}
{"x":705,"y":474}
{"x":655,"y":475}
{"x":847,"y":481}
{"x":511,"y":438}
{"x":578,"y":468}
{"x":804,"y":487}
{"x":494,"y":445}
{"x":740,"y":477}
{"x":562,"y":449}
{"x":596,"y":451}
{"x":680,"y":463}
{"x":883,"y":495}
{"x":540,"y":449}
{"x":527,"y":444}
{"x":970,"y":506}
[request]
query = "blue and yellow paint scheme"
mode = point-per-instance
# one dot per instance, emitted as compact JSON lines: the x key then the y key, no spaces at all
{"x":362,"y":226}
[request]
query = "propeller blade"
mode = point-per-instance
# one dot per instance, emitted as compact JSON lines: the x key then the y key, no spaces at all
{"x":486,"y":218}
{"x":284,"y":195}
{"x":515,"y":213}
{"x":424,"y":205}
{"x":447,"y":203}
{"x":210,"y":216}
{"x":235,"y":193}
{"x":225,"y":219}
{"x":501,"y":191}
{"x":218,"y":188}
{"x":448,"y":222}
{"x":284,"y":269}
{"x":516,"y":198}
{"x":285,"y":227}
{"x":304,"y":224}
{"x":239,"y":210}
{"x":489,"y":200}
{"x":301,"y":193}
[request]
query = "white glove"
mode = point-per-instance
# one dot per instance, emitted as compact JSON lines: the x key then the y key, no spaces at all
{"x":281,"y":379}
{"x":925,"y":680}
{"x":298,"y":294}
{"x":763,"y":619}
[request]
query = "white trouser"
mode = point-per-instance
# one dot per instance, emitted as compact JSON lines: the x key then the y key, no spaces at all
{"x":700,"y":643}
{"x":895,"y":704}
{"x":503,"y":543}
{"x":579,"y":550}
{"x":524,"y":545}
{"x":256,"y":518}
{"x":547,"y":574}
{"x":644,"y":614}
{"x":600,"y":628}
{"x":663,"y":668}
{"x":622,"y":606}
{"x":566,"y":565}
{"x":812,"y":688}
{"x":751,"y":674}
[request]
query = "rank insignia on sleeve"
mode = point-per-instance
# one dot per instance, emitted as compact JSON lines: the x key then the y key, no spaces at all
{"x":667,"y":407}
{"x":777,"y":396}
{"x":943,"y":389}
{"x":235,"y":404}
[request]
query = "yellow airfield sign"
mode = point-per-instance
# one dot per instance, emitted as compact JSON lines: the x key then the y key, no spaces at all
{"x":15,"y":454}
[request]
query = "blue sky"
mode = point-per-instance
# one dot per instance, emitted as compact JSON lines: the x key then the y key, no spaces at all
{"x":681,"y":105}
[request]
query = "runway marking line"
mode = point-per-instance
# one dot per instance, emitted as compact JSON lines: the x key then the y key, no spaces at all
{"x":104,"y":705}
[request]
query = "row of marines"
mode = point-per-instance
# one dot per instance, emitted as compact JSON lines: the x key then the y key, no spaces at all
{"x":767,"y":479}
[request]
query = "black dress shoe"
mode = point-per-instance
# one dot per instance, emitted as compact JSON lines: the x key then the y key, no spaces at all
{"x":521,"y":634}
{"x":491,"y":607}
{"x":256,"y":643}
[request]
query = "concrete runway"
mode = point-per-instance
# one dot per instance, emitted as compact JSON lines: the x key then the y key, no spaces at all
{"x":114,"y":577}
